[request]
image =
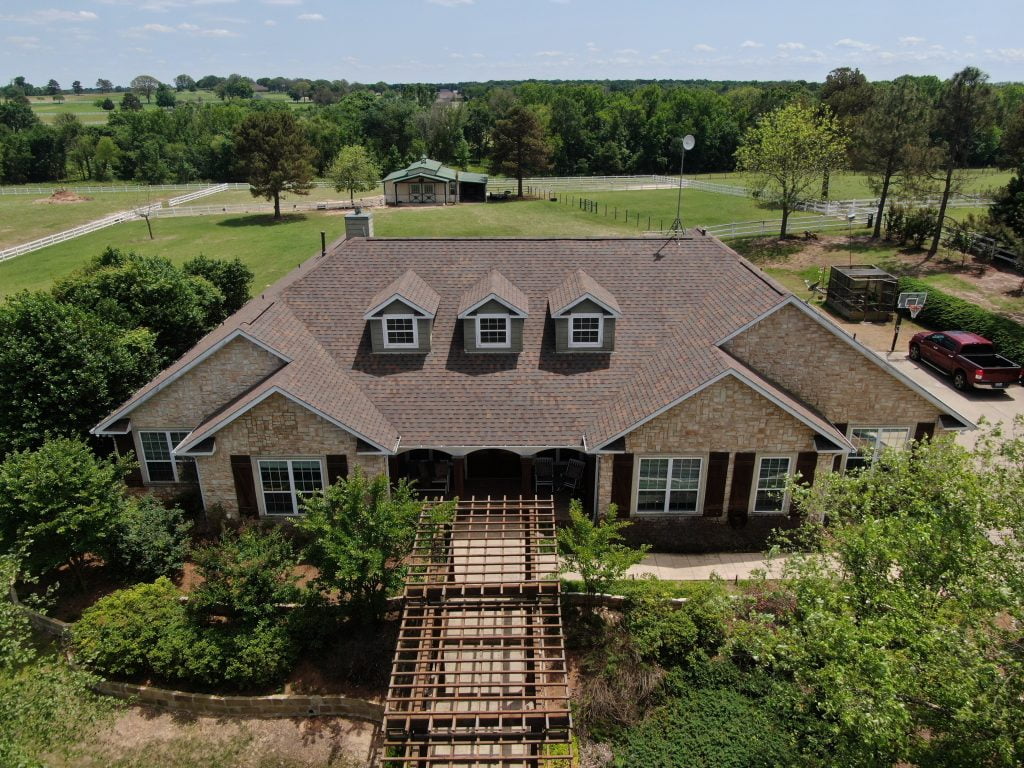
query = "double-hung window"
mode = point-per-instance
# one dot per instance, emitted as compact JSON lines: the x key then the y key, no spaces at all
{"x":492,"y":331}
{"x":586,"y":330}
{"x":772,"y":475}
{"x":400,"y":332}
{"x":669,"y":486}
{"x":284,"y":483}
{"x":157,"y":456}
{"x":871,"y":441}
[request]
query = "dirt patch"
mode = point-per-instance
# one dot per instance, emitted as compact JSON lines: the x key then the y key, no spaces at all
{"x":146,"y":737}
{"x":62,"y":196}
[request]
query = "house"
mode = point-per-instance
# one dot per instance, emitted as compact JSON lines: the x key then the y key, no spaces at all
{"x":677,"y":380}
{"x":429,"y":182}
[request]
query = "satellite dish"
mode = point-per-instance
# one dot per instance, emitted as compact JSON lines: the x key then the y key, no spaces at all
{"x":689,"y":142}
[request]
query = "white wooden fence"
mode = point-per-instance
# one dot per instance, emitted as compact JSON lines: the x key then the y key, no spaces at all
{"x":205,"y":192}
{"x":766,"y":227}
{"x":84,"y":229}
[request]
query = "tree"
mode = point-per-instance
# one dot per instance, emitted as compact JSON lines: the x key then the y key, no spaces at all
{"x":107,"y":105}
{"x":354,"y":170}
{"x":232,"y":278}
{"x":788,"y":150}
{"x":596,"y":550}
{"x":104,"y":85}
{"x":965,"y":111}
{"x":130,"y":102}
{"x":184,"y":83}
{"x":18,"y":115}
{"x":519,"y":144}
{"x":898,"y":638}
{"x":59,"y":503}
{"x":1007,"y":209}
{"x":52,"y":88}
{"x":360,"y":532}
{"x":64,"y":367}
{"x":887,"y":140}
{"x":274,"y":155}
{"x":146,"y":85}
{"x":235,"y":87}
{"x":76,"y":86}
{"x":136,"y":291}
{"x":105,"y":157}
{"x":165,"y":96}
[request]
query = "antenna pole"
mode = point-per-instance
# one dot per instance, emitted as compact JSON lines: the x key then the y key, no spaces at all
{"x":685,"y":143}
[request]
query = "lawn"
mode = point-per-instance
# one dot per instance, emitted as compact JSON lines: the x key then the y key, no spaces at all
{"x":23,"y":219}
{"x":84,"y":105}
{"x":243,"y":196}
{"x":271,"y":249}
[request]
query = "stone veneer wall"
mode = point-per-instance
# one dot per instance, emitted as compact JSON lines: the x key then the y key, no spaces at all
{"x":797,"y":353}
{"x":729,"y":417}
{"x":277,"y":427}
{"x":234,"y":369}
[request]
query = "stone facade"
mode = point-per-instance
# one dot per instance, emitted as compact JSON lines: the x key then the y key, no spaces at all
{"x":793,"y":351}
{"x":277,"y":427}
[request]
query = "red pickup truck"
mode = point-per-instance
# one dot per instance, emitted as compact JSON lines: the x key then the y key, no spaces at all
{"x":971,"y":359}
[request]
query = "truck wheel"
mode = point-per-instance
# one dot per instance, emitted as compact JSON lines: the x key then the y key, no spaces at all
{"x":915,"y":352}
{"x":960,"y":381}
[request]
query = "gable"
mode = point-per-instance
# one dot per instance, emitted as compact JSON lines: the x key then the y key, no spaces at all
{"x":794,"y":351}
{"x":398,"y":307}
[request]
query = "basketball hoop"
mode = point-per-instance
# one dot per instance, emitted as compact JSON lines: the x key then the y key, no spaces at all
{"x":915,"y":309}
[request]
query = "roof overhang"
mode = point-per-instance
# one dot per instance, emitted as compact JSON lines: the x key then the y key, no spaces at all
{"x":205,"y":447}
{"x":563,"y":311}
{"x":194,"y":439}
{"x":882,"y":363}
{"x":104,"y":427}
{"x":119,"y":427}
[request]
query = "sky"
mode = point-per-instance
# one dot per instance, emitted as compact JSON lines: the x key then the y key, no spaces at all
{"x":441,"y":41}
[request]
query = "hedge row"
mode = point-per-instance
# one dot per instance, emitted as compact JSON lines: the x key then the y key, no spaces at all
{"x":947,"y":313}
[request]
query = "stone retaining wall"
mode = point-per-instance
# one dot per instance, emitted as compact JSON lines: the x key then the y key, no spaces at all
{"x":280,"y":705}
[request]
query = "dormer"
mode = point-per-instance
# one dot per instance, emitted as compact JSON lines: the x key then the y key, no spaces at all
{"x":401,"y":316}
{"x":584,"y":313}
{"x":492,"y":312}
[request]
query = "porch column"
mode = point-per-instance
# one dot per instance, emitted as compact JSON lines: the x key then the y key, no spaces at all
{"x":526,"y":475}
{"x":459,"y":476}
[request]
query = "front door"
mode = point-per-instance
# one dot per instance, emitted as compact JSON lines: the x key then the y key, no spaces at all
{"x":422,"y":192}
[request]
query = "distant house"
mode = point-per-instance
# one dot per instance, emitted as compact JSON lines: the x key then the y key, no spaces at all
{"x":675,"y":380}
{"x":428,"y":182}
{"x":447,"y":96}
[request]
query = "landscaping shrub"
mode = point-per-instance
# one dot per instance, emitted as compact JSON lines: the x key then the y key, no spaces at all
{"x":708,"y":727}
{"x":667,"y":633}
{"x":245,"y":576}
{"x":905,"y":224}
{"x":947,"y":313}
{"x":596,"y":550}
{"x":149,"y":539}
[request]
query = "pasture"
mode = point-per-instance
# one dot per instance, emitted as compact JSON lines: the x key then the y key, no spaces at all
{"x":84,"y":105}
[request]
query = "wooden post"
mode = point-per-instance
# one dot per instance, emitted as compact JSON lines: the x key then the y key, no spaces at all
{"x":459,"y":476}
{"x":526,"y":475}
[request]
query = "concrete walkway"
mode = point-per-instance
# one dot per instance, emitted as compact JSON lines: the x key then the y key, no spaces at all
{"x":727,"y":565}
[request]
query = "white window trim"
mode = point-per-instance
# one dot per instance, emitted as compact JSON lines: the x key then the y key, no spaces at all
{"x":600,"y":331}
{"x":258,"y":482}
{"x":665,"y":512}
{"x":757,"y":476}
{"x":415,"y":331}
{"x":491,"y":345}
{"x":878,"y":451}
{"x":144,"y":462}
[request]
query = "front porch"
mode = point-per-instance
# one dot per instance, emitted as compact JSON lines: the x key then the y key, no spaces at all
{"x":560,"y":474}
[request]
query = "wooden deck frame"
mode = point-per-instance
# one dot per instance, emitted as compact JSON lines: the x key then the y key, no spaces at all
{"x":479,"y":677}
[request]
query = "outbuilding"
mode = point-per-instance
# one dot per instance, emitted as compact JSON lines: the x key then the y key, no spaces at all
{"x":428,"y":182}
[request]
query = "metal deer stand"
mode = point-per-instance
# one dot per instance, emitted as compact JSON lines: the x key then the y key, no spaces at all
{"x":913,"y":303}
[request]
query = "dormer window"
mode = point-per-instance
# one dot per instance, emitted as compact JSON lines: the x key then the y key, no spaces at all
{"x":586,"y":331}
{"x":492,"y":331}
{"x":400,"y":332}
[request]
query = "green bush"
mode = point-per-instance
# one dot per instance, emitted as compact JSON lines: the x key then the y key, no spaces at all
{"x":946,"y":313}
{"x":149,"y":540}
{"x":669,"y":633}
{"x":708,"y":727}
{"x":905,"y":224}
{"x":120,"y":632}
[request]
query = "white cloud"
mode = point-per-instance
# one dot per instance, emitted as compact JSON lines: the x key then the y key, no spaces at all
{"x":52,"y":14}
{"x":26,"y":42}
{"x":858,"y":45}
{"x":157,"y":28}
{"x":549,"y":53}
{"x":627,"y":52}
{"x":751,"y":44}
{"x":592,"y":47}
{"x":1011,"y":54}
{"x":282,"y":2}
{"x":911,"y":40}
{"x":269,"y":23}
{"x":477,"y":55}
{"x":188,"y":27}
{"x":310,"y":17}
{"x":970,"y":39}
{"x":703,"y":48}
{"x":791,"y":46}
{"x":450,"y":3}
{"x":456,"y":56}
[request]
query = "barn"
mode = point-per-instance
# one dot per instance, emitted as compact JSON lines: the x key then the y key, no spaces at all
{"x":428,"y":182}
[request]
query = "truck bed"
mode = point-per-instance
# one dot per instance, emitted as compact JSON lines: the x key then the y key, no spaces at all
{"x":990,"y":361}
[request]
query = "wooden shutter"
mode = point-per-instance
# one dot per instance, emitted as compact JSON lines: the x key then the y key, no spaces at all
{"x":925,"y":429}
{"x":245,"y":486}
{"x":622,"y":483}
{"x":742,"y":478}
{"x":337,"y":468}
{"x":714,"y":490}
{"x":126,"y":447}
{"x":806,"y":464}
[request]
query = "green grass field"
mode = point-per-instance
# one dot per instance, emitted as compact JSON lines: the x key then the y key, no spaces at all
{"x":241,"y":196}
{"x":84,"y":105}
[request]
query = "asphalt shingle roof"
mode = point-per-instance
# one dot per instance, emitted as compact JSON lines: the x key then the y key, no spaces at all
{"x":494,"y":284}
{"x":410,"y":287}
{"x":575,"y":287}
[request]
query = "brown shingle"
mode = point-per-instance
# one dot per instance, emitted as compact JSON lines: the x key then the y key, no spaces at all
{"x":575,"y":287}
{"x":494,"y":284}
{"x":412,"y":288}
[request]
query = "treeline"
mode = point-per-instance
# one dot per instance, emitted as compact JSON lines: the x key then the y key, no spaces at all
{"x":610,"y":127}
